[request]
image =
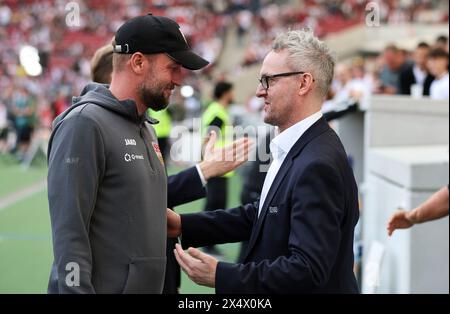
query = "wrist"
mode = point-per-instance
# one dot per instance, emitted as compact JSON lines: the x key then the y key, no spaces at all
{"x":180,"y":229}
{"x":205,"y":170}
{"x":413,"y":217}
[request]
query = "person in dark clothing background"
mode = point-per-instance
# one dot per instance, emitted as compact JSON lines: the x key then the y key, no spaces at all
{"x":417,"y":73}
{"x":216,"y":118}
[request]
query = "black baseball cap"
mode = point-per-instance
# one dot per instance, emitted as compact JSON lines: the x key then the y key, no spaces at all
{"x":151,"y":34}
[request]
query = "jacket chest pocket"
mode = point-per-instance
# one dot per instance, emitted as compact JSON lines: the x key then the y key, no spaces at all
{"x":277,"y":216}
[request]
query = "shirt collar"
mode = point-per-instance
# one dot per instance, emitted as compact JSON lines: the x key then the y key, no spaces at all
{"x":283,"y":142}
{"x":443,"y":77}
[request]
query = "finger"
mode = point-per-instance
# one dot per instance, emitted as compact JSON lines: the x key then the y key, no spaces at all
{"x":180,"y":261}
{"x":391,"y":221}
{"x":186,"y":258}
{"x":232,"y":147}
{"x":248,"y":142}
{"x":179,"y":250}
{"x":240,"y":143}
{"x":237,"y":151}
{"x":390,"y":231}
{"x":183,"y":258}
{"x":243,"y":154}
{"x":245,"y":146}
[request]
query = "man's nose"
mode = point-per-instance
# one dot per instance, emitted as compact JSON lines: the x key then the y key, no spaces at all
{"x":176,"y":80}
{"x":261,"y":91}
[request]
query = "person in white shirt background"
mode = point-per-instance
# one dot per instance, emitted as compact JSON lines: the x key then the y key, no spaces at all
{"x":438,"y":65}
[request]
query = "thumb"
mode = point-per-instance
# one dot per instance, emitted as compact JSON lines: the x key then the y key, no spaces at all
{"x":211,"y":141}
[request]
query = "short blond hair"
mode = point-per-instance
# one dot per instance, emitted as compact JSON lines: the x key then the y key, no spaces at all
{"x":307,"y":53}
{"x":102,"y":65}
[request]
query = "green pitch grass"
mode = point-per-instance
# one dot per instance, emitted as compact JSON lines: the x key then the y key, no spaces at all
{"x":25,"y":234}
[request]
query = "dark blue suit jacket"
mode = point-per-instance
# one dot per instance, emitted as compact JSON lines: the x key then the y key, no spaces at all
{"x":184,"y":187}
{"x":303,"y":240}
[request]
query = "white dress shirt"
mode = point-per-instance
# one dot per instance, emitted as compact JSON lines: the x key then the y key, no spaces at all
{"x":200,"y":174}
{"x":280,"y":147}
{"x":439,"y":88}
{"x":419,"y":75}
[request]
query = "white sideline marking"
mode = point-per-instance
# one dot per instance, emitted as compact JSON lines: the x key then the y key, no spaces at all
{"x":22,"y":194}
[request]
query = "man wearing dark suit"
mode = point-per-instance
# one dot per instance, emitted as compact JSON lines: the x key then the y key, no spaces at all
{"x":301,"y":231}
{"x":417,"y":73}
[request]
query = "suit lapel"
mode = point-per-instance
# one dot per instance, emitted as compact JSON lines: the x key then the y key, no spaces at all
{"x":272,"y":191}
{"x":315,"y":130}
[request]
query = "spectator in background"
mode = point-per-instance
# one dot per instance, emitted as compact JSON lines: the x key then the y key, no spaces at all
{"x":244,"y":23}
{"x":3,"y":127}
{"x":442,"y":43}
{"x":23,"y":110}
{"x":216,"y":117}
{"x":101,"y":65}
{"x":438,"y":64}
{"x":433,"y":208}
{"x":162,"y":130}
{"x":346,"y":87}
{"x":417,"y":73}
{"x":60,"y":104}
{"x":394,"y":63}
{"x":365,"y":78}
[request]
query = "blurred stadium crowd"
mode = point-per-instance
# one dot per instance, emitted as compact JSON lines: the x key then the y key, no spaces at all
{"x":29,"y":103}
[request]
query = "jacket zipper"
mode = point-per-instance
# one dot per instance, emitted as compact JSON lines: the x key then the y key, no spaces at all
{"x":141,"y":133}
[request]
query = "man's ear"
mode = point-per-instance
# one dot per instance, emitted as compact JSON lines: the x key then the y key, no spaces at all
{"x":137,"y":62}
{"x":306,"y":84}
